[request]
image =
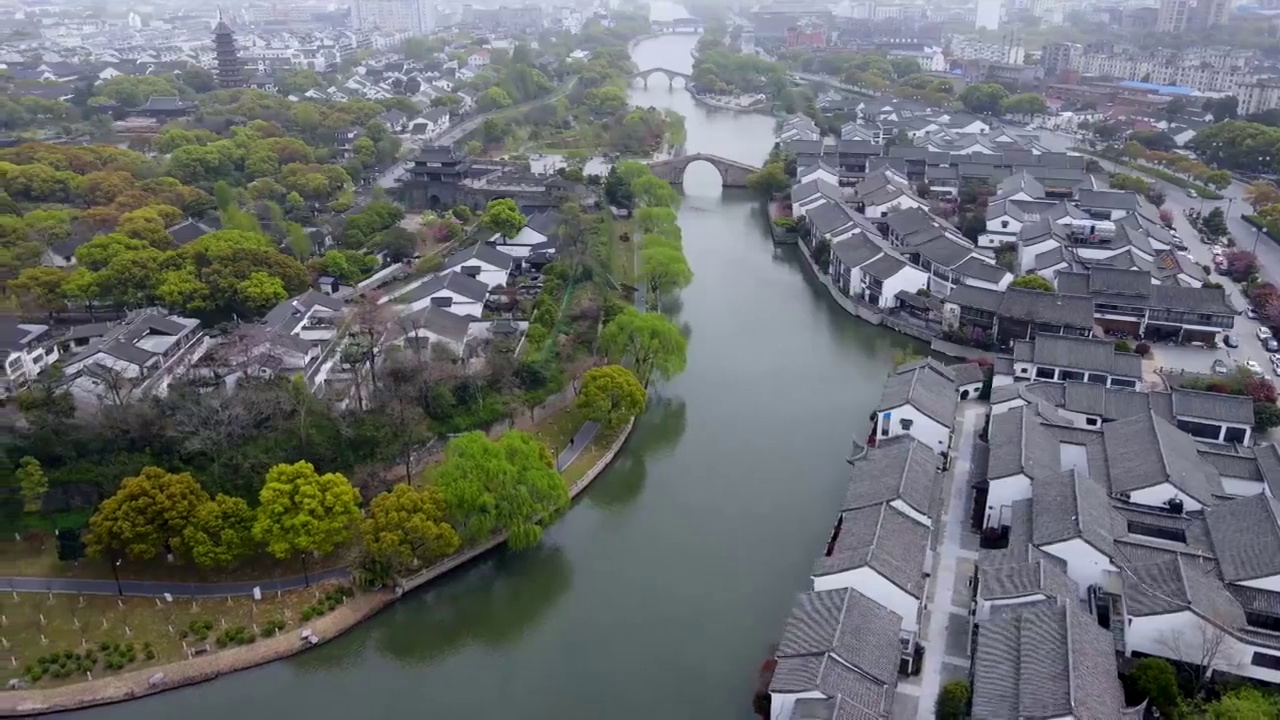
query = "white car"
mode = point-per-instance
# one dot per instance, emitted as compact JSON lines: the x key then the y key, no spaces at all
{"x":1253,"y":366}
{"x":1263,"y":333}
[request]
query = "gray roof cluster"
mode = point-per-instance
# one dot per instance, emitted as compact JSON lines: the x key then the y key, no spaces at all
{"x":1246,"y":537}
{"x":1027,"y":579}
{"x":1046,"y":661}
{"x":1146,"y":451}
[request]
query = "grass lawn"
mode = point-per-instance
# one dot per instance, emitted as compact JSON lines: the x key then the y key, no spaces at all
{"x":624,"y":255}
{"x":588,"y":458}
{"x":36,"y":626}
{"x":29,"y":559}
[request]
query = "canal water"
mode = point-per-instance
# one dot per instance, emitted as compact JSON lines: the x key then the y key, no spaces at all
{"x":659,"y":593}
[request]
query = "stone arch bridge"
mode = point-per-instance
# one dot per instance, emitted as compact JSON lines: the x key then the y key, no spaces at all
{"x":732,"y":172}
{"x":671,"y":75}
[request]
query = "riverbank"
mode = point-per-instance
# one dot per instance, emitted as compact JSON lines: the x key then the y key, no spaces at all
{"x":141,"y":683}
{"x":763,"y":104}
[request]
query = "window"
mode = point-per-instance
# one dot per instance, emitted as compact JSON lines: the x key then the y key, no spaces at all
{"x":1126,"y":384}
{"x":1236,"y":435}
{"x":1263,"y":660}
{"x":1073,"y":375}
{"x":1091,"y":421}
{"x":1260,"y":620}
{"x":1096,"y":379}
{"x":1004,"y":224}
{"x":1045,"y":373}
{"x":1161,"y":532}
{"x":442,"y":302}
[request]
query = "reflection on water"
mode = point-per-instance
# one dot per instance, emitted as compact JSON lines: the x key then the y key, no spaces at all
{"x":657,"y":431}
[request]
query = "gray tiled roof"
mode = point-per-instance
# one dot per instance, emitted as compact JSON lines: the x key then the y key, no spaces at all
{"x":1193,"y":526}
{"x":817,"y":186}
{"x":829,"y":676}
{"x":897,"y":468}
{"x":1065,"y":506}
{"x":1046,"y":661}
{"x":1231,"y":464}
{"x":884,"y":267}
{"x":976,"y":297}
{"x":1054,"y":308}
{"x":1179,"y":582}
{"x":1246,"y":537}
{"x":439,"y":321}
{"x":482,"y":252}
{"x":1025,"y":579}
{"x":1145,"y":451}
{"x":857,"y":629}
{"x":1020,"y":443}
{"x":1201,"y":299}
{"x":967,"y":373}
{"x":1108,"y":199}
{"x":1213,"y":406}
{"x":829,"y":217}
{"x":1078,"y":353}
{"x":925,"y":388}
{"x":467,"y":287}
{"x":981,"y":269}
{"x":1256,"y":600}
{"x":1269,"y":464}
{"x":884,"y":539}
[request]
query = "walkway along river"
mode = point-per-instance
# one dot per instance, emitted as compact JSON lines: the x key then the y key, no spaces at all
{"x":659,"y":593}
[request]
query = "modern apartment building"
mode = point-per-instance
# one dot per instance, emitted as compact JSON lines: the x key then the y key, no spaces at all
{"x":1173,"y":16}
{"x":1203,"y":69}
{"x":415,"y":16}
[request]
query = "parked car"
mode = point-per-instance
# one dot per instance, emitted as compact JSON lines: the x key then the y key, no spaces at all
{"x":1191,"y":192}
{"x":1253,"y":366}
{"x":1219,"y":367}
{"x":1251,"y":312}
{"x":1271,"y":344}
{"x":1263,"y":333}
{"x":1231,"y":341}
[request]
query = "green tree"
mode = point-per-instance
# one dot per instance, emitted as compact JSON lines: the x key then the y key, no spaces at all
{"x":220,"y":532}
{"x":651,"y":341}
{"x":261,"y":291}
{"x":473,"y":148}
{"x":983,"y":98}
{"x":664,"y":270}
{"x":1262,"y":193}
{"x":611,"y":395}
{"x":32,"y":483}
{"x":1155,"y":680}
{"x":650,"y":191}
{"x":952,"y":702}
{"x":1023,"y":104}
{"x":41,"y":289}
{"x":1266,"y":416}
{"x":148,"y":513}
{"x":1032,"y":282}
{"x":508,"y":485}
{"x":495,"y":98}
{"x":1244,"y":703}
{"x":503,"y":217}
{"x":406,"y":528}
{"x":1217,"y":179}
{"x":302,"y":511}
{"x":769,"y":180}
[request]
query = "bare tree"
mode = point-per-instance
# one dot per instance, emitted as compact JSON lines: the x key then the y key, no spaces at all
{"x":1201,"y":651}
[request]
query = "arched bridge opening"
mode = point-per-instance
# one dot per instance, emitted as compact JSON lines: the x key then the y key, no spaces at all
{"x":674,"y":78}
{"x":733,"y":174}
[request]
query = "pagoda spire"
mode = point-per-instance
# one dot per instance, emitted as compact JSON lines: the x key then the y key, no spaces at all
{"x":230,"y":71}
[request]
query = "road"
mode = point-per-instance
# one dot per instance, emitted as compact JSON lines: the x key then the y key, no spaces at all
{"x":146,"y":588}
{"x":577,"y":444}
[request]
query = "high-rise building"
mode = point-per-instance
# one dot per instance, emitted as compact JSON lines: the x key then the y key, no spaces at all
{"x":1210,"y":13}
{"x":230,"y":71}
{"x":413,"y":16}
{"x":1173,"y":16}
{"x":987,"y":15}
{"x":1056,"y":57}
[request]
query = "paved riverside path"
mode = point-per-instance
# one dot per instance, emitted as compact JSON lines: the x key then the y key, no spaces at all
{"x":577,"y":444}
{"x":157,"y":588}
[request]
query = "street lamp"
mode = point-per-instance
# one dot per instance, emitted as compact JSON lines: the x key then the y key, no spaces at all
{"x":116,"y":572}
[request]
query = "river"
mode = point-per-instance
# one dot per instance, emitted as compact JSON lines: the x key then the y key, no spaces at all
{"x":659,"y":593}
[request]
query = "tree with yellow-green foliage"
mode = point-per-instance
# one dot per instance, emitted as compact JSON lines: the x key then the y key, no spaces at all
{"x":148,"y":513}
{"x":303,"y":512}
{"x":406,"y":528}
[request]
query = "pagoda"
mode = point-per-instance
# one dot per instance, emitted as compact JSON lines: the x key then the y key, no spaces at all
{"x":230,"y":71}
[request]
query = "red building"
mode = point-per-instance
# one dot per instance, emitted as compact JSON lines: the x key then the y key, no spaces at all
{"x":807,"y":34}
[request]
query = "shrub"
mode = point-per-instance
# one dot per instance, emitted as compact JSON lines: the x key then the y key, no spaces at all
{"x":1123,"y":346}
{"x":1142,"y":349}
{"x":1155,"y":680}
{"x":953,"y":702}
